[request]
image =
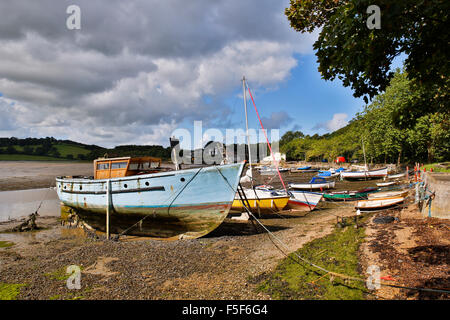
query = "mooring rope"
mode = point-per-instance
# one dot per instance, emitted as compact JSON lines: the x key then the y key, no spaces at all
{"x":168,"y":208}
{"x":339,"y":275}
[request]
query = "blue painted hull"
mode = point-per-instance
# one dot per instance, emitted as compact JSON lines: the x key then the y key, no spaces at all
{"x":178,"y":204}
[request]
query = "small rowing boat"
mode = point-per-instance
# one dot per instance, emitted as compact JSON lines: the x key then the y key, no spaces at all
{"x":396,"y":176}
{"x":349,"y":195}
{"x":316,"y":183}
{"x":381,"y":203}
{"x":388,"y":194}
{"x":356,"y":175}
{"x":304,"y":200}
{"x":267,"y":171}
{"x":386,"y":184}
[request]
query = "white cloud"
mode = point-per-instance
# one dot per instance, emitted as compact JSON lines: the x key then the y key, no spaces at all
{"x":133,"y":80}
{"x":338,"y":121}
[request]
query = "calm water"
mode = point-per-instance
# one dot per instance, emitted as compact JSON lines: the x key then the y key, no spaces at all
{"x":21,"y":203}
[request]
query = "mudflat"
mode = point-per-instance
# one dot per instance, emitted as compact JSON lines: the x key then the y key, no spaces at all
{"x":21,"y":175}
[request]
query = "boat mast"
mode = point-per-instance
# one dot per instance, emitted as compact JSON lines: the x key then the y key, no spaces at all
{"x":246,"y":127}
{"x":364,"y":151}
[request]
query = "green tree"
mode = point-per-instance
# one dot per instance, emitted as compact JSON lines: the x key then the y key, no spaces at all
{"x":11,"y":150}
{"x":289,"y":136}
{"x":362,"y":57}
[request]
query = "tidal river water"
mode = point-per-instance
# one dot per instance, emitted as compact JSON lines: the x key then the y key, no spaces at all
{"x":21,"y":203}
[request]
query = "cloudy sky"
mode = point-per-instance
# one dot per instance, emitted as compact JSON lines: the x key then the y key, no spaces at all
{"x":139,"y":69}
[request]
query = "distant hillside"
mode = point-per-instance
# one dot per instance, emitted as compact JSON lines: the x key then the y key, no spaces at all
{"x":49,"y":148}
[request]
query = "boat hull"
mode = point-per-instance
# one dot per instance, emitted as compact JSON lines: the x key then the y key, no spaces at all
{"x":312,"y":186}
{"x":303,"y":200}
{"x":177,"y":205}
{"x":388,"y":194}
{"x":376,"y":204}
{"x":374,"y":174}
{"x":349,"y":195}
{"x":262,"y":201}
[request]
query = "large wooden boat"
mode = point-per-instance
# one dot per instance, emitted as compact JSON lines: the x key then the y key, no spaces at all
{"x":173,"y":204}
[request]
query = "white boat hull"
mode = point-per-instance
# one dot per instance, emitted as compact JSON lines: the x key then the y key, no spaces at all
{"x":378,"y":203}
{"x":365,"y":174}
{"x":313,"y":186}
{"x":304,"y":200}
{"x":387,"y":194}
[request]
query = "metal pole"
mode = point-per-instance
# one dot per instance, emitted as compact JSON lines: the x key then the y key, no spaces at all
{"x":365,"y":162}
{"x":108,"y":191}
{"x":246,"y":127}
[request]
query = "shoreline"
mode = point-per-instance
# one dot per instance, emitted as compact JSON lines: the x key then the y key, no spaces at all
{"x":24,"y":175}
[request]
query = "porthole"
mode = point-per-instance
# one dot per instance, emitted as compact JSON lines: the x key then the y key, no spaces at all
{"x":182,"y":179}
{"x":81,"y":187}
{"x":125,"y":186}
{"x":147,"y":184}
{"x":65,"y":187}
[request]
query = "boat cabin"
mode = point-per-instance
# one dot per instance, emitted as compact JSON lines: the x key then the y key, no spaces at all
{"x":105,"y":168}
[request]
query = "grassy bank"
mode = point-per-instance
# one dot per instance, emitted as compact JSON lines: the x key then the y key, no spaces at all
{"x":337,"y":252}
{"x":438,"y":167}
{"x":27,"y":157}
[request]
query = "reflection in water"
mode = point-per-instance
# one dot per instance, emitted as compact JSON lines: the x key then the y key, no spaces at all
{"x":21,"y":203}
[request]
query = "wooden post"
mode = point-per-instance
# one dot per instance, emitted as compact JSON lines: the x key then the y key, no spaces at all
{"x":108,"y":192}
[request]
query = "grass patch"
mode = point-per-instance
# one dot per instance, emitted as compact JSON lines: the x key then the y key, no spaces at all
{"x":59,"y":274}
{"x":65,"y":149}
{"x":6,"y":244}
{"x":337,"y":252}
{"x":438,"y":167}
{"x":9,"y":291}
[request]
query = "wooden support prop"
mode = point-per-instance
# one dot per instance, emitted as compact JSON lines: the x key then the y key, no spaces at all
{"x":259,"y":210}
{"x":108,"y":194}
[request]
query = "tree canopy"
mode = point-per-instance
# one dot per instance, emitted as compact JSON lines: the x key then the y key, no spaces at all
{"x":361,"y":57}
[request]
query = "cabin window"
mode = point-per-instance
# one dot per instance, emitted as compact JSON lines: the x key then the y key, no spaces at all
{"x":102,"y":166}
{"x":154,"y":164}
{"x":142,"y":166}
{"x":119,"y":165}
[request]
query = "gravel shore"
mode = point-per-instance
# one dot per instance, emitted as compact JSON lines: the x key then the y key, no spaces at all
{"x":225,"y":264}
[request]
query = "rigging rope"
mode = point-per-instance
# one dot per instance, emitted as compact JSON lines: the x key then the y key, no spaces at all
{"x":267,"y":139}
{"x":328,"y":272}
{"x":168,"y":208}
